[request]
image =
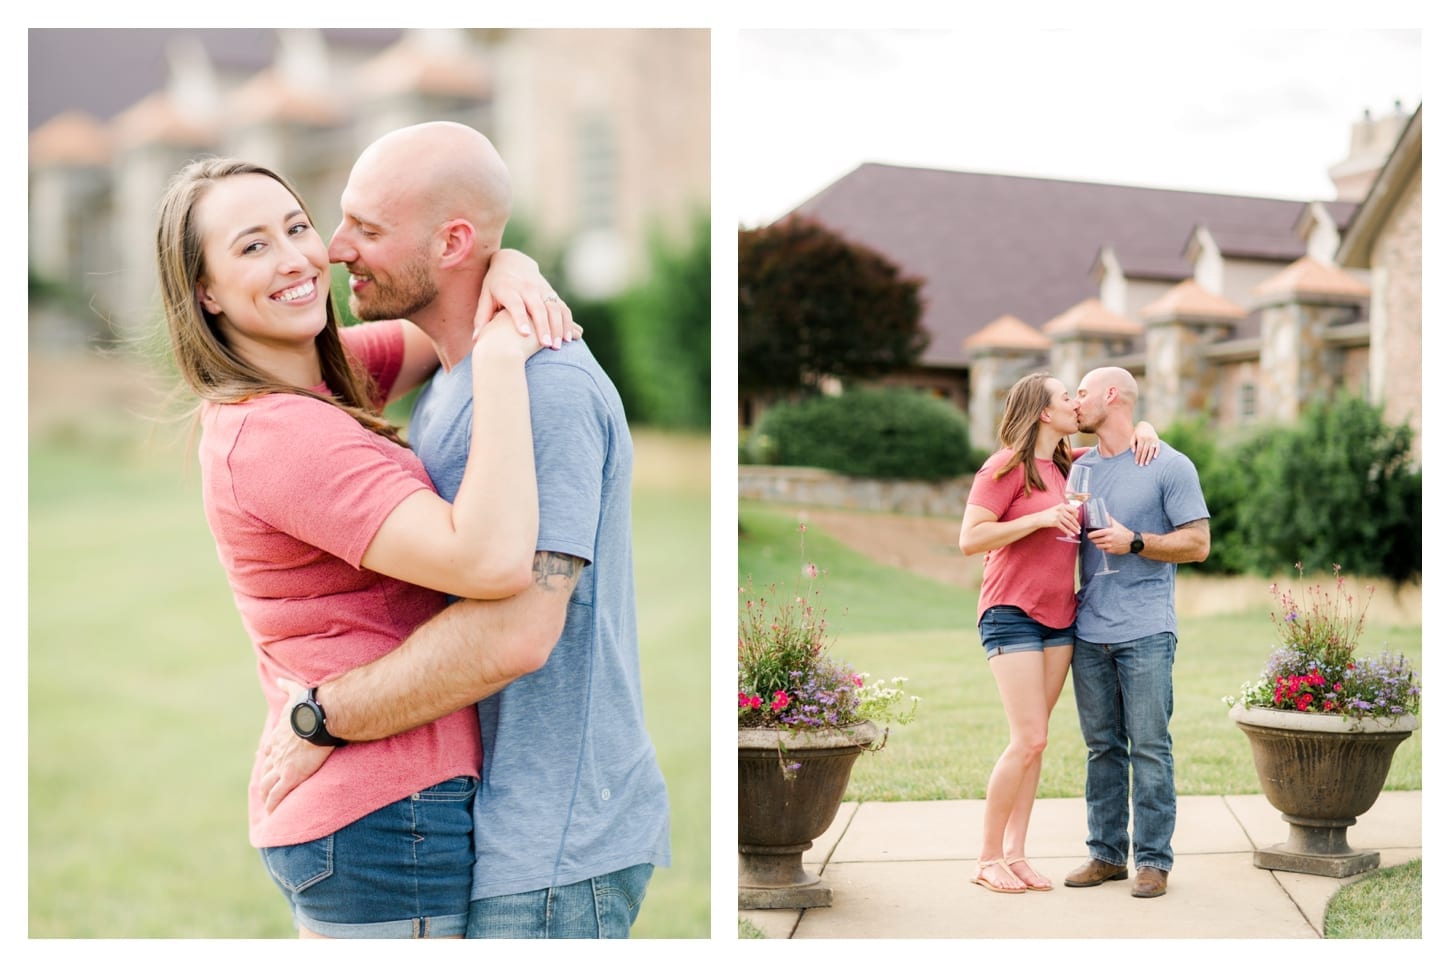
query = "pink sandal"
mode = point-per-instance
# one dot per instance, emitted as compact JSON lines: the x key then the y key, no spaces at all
{"x":983,"y":866}
{"x":1037,"y":883}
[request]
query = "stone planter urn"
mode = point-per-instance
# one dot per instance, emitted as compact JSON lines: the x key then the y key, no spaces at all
{"x":779,"y":818}
{"x":1322,"y":772}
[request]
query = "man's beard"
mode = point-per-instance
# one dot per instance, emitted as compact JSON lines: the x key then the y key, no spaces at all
{"x":401,"y":297}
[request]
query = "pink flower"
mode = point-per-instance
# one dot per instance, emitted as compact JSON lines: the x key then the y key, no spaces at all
{"x":780,"y":701}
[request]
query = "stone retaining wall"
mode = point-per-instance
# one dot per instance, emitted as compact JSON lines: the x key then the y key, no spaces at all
{"x":807,"y":486}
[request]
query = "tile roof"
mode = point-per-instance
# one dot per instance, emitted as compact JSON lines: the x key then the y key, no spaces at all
{"x":268,"y":96}
{"x":1091,"y":318}
{"x":73,"y":138}
{"x":156,"y":119}
{"x":1190,"y":301}
{"x":415,"y":66}
{"x":1006,"y":332}
{"x":1311,"y":277}
{"x":991,"y":245}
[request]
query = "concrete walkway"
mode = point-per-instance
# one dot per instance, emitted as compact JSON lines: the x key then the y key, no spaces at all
{"x":904,"y":870}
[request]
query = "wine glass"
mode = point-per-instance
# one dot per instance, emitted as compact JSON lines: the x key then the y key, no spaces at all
{"x":1076,"y":493}
{"x":1097,"y":519}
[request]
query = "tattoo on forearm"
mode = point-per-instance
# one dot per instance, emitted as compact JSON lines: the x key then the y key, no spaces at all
{"x":556,"y":572}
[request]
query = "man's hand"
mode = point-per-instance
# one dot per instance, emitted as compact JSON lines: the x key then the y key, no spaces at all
{"x":1113,"y":539}
{"x":514,"y":283}
{"x":287,"y":759}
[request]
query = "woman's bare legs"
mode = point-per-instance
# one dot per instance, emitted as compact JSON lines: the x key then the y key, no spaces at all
{"x":1055,"y":664}
{"x":1021,"y":679}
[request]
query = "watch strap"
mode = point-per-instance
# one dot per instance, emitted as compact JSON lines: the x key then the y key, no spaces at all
{"x":318,"y":735}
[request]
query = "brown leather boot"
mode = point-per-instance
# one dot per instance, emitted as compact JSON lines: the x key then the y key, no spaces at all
{"x":1150,"y":882}
{"x":1095,"y":871}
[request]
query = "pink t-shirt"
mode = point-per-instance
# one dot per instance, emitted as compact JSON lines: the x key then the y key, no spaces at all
{"x":1035,"y":573}
{"x":295,"y":490}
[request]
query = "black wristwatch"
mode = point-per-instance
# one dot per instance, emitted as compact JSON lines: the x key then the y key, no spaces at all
{"x":310,"y":722}
{"x":1134,"y":548}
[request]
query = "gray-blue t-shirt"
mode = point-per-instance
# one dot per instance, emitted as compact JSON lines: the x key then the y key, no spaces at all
{"x":1138,"y":600}
{"x":571,"y":788}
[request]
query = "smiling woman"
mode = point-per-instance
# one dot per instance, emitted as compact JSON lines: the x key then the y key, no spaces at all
{"x":334,"y":542}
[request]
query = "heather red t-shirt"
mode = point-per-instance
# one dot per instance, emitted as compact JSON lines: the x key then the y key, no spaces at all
{"x":295,"y":490}
{"x":1035,"y":573}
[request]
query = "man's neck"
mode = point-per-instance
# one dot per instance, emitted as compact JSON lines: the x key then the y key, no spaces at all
{"x":1115,"y":436}
{"x":448,"y":321}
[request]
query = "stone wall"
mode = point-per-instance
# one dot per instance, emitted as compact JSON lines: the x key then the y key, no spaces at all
{"x":809,"y":487}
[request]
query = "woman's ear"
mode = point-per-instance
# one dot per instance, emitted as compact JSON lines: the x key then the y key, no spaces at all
{"x":207,"y":302}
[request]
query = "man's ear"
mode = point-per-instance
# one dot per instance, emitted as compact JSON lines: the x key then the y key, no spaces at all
{"x":203,"y":295}
{"x":458,"y":239}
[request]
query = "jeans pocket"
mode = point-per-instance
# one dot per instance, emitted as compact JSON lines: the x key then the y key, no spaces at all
{"x":457,"y":789}
{"x":295,"y":868}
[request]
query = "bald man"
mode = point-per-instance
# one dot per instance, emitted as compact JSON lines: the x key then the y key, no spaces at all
{"x":1126,"y":635}
{"x":571,"y":815}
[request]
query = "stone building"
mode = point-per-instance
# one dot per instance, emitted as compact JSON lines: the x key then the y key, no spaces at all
{"x":601,"y":156}
{"x":1240,"y":309}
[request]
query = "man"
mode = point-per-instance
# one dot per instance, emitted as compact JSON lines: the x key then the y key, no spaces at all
{"x":1127,"y":632}
{"x":571,"y":816}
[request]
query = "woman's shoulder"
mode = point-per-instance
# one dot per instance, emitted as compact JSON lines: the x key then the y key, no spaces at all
{"x":995,"y":462}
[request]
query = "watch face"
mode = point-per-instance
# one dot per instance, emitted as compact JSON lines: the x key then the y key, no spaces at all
{"x":304,"y":719}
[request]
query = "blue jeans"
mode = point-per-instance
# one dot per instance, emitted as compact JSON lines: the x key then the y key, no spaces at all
{"x":602,"y":907}
{"x":1005,"y":629}
{"x":401,"y":871}
{"x":1124,"y":695}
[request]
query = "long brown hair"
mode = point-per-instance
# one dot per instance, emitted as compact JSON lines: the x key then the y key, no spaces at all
{"x":210,"y":367}
{"x":1026,"y":400}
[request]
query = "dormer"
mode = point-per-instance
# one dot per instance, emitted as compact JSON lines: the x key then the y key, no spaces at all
{"x":1206,"y":258}
{"x":1112,"y":282}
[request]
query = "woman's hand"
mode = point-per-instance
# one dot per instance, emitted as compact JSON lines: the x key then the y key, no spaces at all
{"x":514,"y":284}
{"x":1064,"y":517}
{"x":1144,"y":444}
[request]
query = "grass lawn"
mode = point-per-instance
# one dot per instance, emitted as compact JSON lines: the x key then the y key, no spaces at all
{"x":1383,"y":905}
{"x":892,"y":623}
{"x":145,"y":708}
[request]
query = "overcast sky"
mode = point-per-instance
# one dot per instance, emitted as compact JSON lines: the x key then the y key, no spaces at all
{"x":1248,"y":112}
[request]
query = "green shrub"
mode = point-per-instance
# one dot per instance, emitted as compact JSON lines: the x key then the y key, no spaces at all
{"x":882,"y":433}
{"x":1339,"y":487}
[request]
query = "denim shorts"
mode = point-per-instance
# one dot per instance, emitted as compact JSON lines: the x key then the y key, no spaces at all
{"x":1005,"y":629}
{"x":603,"y":907}
{"x":401,"y":871}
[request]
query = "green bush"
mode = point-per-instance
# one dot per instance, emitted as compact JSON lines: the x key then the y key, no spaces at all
{"x":883,"y":433}
{"x":1337,"y":487}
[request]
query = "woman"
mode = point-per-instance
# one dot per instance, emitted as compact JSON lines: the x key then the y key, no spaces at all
{"x":1015,"y":513}
{"x":333,"y":540}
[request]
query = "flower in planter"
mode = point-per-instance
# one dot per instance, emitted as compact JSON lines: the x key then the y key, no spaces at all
{"x":786,"y":678}
{"x":1316,"y":669}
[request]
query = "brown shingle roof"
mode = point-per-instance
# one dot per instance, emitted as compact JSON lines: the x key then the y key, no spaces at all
{"x":1190,"y":301}
{"x":990,"y":245}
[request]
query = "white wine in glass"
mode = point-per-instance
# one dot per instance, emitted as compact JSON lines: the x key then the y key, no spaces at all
{"x":1076,"y":492}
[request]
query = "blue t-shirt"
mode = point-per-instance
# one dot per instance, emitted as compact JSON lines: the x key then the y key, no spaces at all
{"x":1138,"y":600}
{"x":570,"y":786}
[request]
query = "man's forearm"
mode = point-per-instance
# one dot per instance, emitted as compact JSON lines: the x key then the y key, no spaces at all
{"x":468,"y":652}
{"x":1188,"y":544}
